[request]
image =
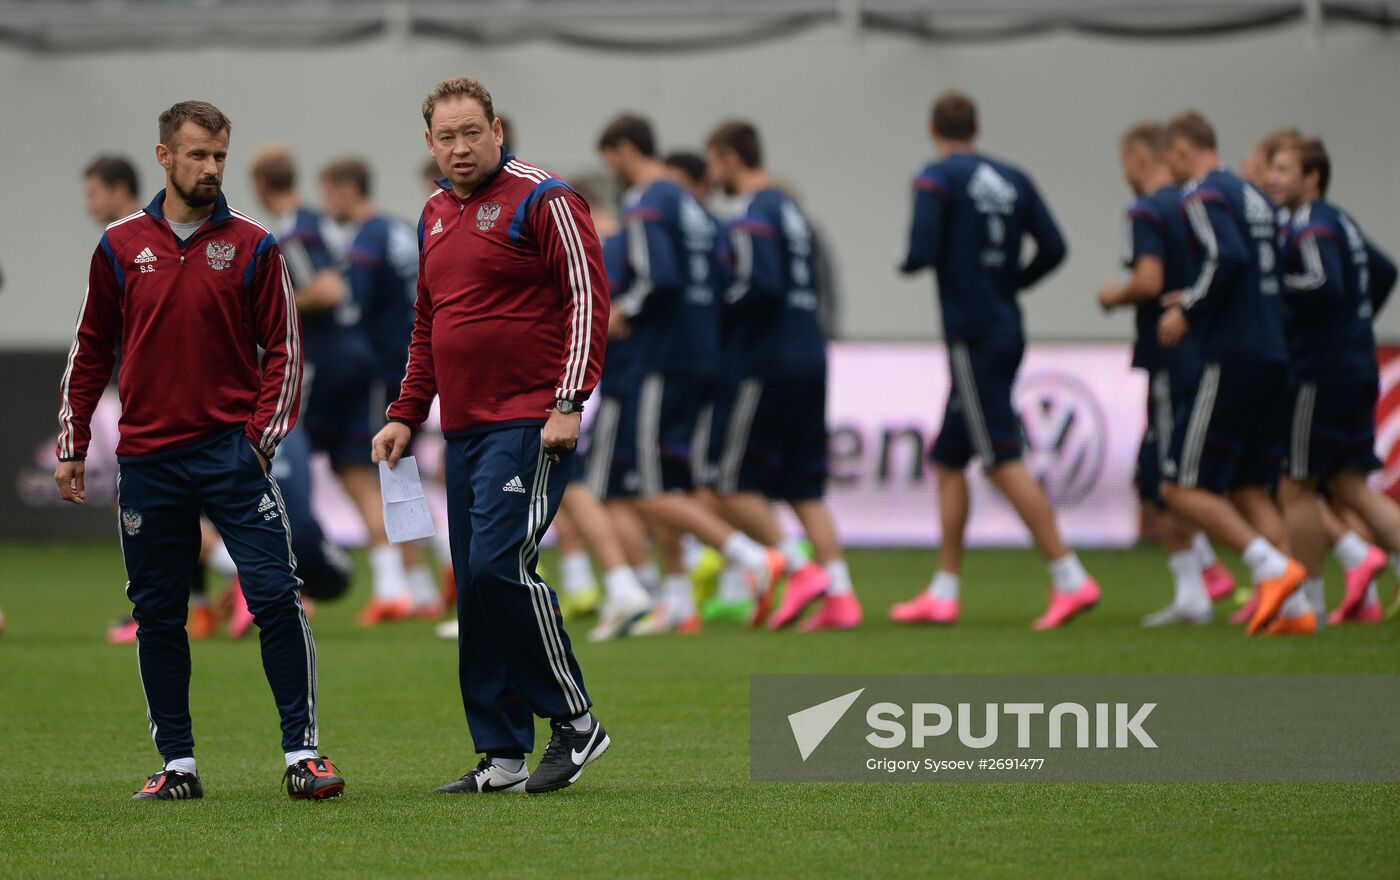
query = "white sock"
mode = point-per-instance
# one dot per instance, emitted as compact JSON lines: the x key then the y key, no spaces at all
{"x":299,"y":755}
{"x":1296,"y":605}
{"x":732,"y":586}
{"x":1204,"y":552}
{"x":1264,"y":560}
{"x":1186,"y":578}
{"x":220,"y":561}
{"x":743,"y":550}
{"x":1351,"y":550}
{"x":182,"y":765}
{"x":386,"y":568}
{"x":575,"y":572}
{"x":795,"y":553}
{"x":680,"y":597}
{"x":944,"y":586}
{"x":622,"y":585}
{"x":691,"y":551}
{"x":510,"y":765}
{"x":422,"y":587}
{"x":1372,"y":596}
{"x":582,"y":723}
{"x":650,"y":576}
{"x":839,"y":575}
{"x":1067,"y":574}
{"x":1312,"y":591}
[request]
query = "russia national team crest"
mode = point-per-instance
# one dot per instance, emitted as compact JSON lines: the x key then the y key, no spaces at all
{"x":220,"y":254}
{"x":487,"y":215}
{"x":131,"y":521}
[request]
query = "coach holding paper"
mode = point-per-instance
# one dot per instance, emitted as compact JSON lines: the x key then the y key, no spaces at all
{"x":510,"y":326}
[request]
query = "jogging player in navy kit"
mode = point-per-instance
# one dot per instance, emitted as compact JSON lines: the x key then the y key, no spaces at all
{"x":1226,"y":452}
{"x":190,"y":291}
{"x":672,"y":310}
{"x":971,"y":213}
{"x":1155,"y":252}
{"x":1334,"y":279}
{"x":509,"y":331}
{"x":772,"y":435}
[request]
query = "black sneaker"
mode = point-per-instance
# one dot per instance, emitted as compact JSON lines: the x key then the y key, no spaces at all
{"x":568,"y":753}
{"x":485,"y":778}
{"x":313,"y":779}
{"x":170,"y":785}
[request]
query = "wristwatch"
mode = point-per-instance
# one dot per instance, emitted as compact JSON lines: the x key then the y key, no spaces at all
{"x":567,"y":407}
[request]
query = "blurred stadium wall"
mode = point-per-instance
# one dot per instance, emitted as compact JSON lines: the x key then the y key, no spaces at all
{"x":840,"y":90}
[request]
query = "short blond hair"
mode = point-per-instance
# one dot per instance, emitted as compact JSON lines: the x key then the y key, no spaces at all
{"x":461,"y":86}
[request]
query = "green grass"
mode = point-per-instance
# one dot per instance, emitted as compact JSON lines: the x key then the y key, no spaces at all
{"x":672,"y":798}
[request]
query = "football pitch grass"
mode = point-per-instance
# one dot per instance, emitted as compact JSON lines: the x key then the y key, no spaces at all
{"x":672,"y":798}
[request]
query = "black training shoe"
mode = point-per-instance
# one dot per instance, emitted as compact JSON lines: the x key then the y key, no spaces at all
{"x":170,"y":785}
{"x":486,"y":778}
{"x":313,"y":779}
{"x":568,"y":753}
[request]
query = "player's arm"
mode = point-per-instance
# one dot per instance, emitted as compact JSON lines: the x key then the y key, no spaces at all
{"x":657,"y":268}
{"x":1050,"y":248}
{"x":317,"y":288}
{"x":1143,"y":251}
{"x":1382,"y":274}
{"x":1226,"y":253}
{"x":419,"y":385}
{"x":926,"y":229}
{"x":759,"y":278}
{"x":1319,"y":260}
{"x":569,"y":246}
{"x":278,"y":332}
{"x":90,"y":361}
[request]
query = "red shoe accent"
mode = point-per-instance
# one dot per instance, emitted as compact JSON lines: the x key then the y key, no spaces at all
{"x":836,"y":612}
{"x":323,"y":771}
{"x":153,"y":785}
{"x":1065,"y":607}
{"x":1220,"y":582}
{"x":765,"y":586}
{"x":1273,"y":592}
{"x":924,"y":608}
{"x":1292,"y":626}
{"x":1359,"y":580}
{"x":805,"y":586}
{"x":377,"y":612}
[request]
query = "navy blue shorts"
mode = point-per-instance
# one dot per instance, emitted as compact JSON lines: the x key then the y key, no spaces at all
{"x":342,"y":414}
{"x":1156,"y":439}
{"x":1333,"y":427}
{"x":769,"y":437}
{"x":670,"y":434}
{"x":1230,"y":430}
{"x":610,"y":462}
{"x":980,"y":419}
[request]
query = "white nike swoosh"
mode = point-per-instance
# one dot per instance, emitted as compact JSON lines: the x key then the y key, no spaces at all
{"x":577,"y":756}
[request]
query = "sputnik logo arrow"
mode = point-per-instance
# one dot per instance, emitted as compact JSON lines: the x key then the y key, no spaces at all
{"x":810,"y":726}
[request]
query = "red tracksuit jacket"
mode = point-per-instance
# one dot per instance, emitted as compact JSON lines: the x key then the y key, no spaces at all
{"x":189,"y":322}
{"x":512,"y":309}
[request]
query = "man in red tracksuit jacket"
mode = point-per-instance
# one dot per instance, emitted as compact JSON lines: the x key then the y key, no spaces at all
{"x":189,"y":290}
{"x":511,"y":323}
